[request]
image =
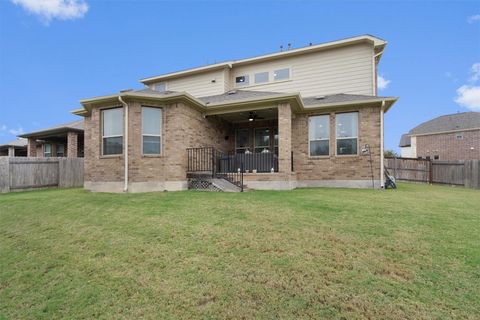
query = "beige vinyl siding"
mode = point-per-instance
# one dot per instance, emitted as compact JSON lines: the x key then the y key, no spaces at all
{"x":342,"y":70}
{"x":198,"y":85}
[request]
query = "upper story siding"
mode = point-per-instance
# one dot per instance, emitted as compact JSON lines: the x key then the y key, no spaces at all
{"x":346,"y":69}
{"x":342,"y":70}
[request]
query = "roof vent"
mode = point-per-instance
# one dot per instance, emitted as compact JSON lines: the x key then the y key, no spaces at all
{"x":319,"y":97}
{"x":126,"y":90}
{"x":232,"y":92}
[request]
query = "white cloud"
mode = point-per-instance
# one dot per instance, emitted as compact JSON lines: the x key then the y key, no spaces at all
{"x":16,"y":132}
{"x":469,"y":97}
{"x":474,"y":18}
{"x":382,"y":82}
{"x":3,"y":128}
{"x":51,"y":9}
{"x":475,"y":72}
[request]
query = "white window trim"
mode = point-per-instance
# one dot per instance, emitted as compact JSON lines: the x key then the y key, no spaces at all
{"x":322,"y":139}
{"x":280,"y":80}
{"x":345,"y":138}
{"x":255,"y":138}
{"x":242,"y":85}
{"x":45,"y":152}
{"x":112,"y":136}
{"x":153,"y":135}
{"x":260,"y":83}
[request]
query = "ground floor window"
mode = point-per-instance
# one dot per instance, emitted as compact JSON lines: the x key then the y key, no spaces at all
{"x":47,"y":150}
{"x":262,"y":140}
{"x":347,"y":133}
{"x":319,"y":135}
{"x":151,"y":130}
{"x":241,"y":140}
{"x":60,"y":150}
{"x":112,"y":131}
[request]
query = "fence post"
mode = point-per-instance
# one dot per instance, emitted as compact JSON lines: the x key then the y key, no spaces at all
{"x":4,"y":174}
{"x":430,"y":171}
{"x":394,"y":167}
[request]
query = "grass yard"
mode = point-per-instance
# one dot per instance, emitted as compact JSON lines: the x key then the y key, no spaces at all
{"x":312,"y":253}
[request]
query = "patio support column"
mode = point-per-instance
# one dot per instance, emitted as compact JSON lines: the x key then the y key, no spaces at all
{"x":285,"y":139}
{"x":72,"y":144}
{"x":31,"y":147}
{"x":11,"y":151}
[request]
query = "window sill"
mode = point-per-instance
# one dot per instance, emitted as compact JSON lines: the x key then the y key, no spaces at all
{"x":347,"y":155}
{"x":113,"y":156}
{"x":153,"y":156}
{"x":318,"y":157}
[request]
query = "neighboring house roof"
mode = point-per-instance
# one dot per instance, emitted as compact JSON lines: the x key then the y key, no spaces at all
{"x":237,"y":99}
{"x":378,"y":43}
{"x":450,"y":122}
{"x":70,"y":126}
{"x":405,"y":141}
{"x":15,"y":143}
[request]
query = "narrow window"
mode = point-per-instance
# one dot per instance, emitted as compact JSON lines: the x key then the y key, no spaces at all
{"x":152,"y":130}
{"x":60,"y":150}
{"x":242,"y":80}
{"x":241,"y":140}
{"x":459,"y":135}
{"x":47,"y":150}
{"x":112,"y":131}
{"x":160,"y":87}
{"x":319,"y":135}
{"x":261,"y":77}
{"x":281,"y":74}
{"x":347,"y":133}
{"x":262,"y":140}
{"x":436,"y":157}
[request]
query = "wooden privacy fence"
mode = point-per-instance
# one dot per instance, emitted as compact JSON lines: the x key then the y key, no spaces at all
{"x":18,"y":173}
{"x":455,"y":172}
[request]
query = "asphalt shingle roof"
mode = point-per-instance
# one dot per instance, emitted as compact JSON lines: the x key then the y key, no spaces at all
{"x":337,"y":98}
{"x":235,"y":95}
{"x":15,"y":143}
{"x":450,"y":122}
{"x":405,"y":141}
{"x":75,"y":125}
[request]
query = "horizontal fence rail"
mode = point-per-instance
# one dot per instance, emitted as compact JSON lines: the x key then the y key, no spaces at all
{"x":19,"y":173}
{"x":453,"y":172}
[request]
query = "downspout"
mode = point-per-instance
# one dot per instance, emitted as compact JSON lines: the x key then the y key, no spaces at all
{"x":125,"y":147}
{"x":382,"y":182}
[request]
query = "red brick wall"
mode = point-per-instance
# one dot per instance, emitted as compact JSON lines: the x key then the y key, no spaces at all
{"x":448,"y":147}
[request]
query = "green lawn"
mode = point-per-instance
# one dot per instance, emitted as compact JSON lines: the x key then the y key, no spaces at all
{"x":311,"y":253}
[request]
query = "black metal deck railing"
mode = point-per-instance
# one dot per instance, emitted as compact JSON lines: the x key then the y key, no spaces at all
{"x":229,"y":166}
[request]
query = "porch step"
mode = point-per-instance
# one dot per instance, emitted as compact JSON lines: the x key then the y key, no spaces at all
{"x":212,"y":184}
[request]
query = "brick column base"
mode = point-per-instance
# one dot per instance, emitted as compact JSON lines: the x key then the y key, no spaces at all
{"x":285,"y":139}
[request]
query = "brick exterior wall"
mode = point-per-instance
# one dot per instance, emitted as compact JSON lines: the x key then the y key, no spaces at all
{"x":31,"y":147}
{"x":334,"y":167}
{"x":447,"y":147}
{"x":72,"y":145}
{"x":182,"y":127}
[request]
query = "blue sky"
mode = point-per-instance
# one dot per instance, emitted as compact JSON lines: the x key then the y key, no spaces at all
{"x":51,"y":56}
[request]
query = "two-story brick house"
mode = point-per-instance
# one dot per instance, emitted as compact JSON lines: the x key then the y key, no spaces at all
{"x":298,"y":118}
{"x":449,"y":137}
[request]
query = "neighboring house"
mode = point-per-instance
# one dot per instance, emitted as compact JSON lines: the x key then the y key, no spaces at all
{"x":450,"y":137}
{"x":298,"y":118}
{"x":65,"y":140}
{"x":15,"y":148}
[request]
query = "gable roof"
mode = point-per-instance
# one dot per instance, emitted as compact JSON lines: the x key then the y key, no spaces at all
{"x":449,"y":122}
{"x":378,"y":43}
{"x":70,"y":126}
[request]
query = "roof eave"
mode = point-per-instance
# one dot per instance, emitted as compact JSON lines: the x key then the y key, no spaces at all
{"x":389,"y":101}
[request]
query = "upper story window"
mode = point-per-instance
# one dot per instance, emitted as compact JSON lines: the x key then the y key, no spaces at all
{"x":242,"y":80}
{"x":281,"y":74}
{"x":459,"y":135}
{"x":319,"y":135}
{"x":261,"y":77}
{"x":47,"y":150}
{"x":347,"y":133}
{"x":151,"y":130}
{"x":112,"y":131}
{"x":160,"y":87}
{"x":60,"y":150}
